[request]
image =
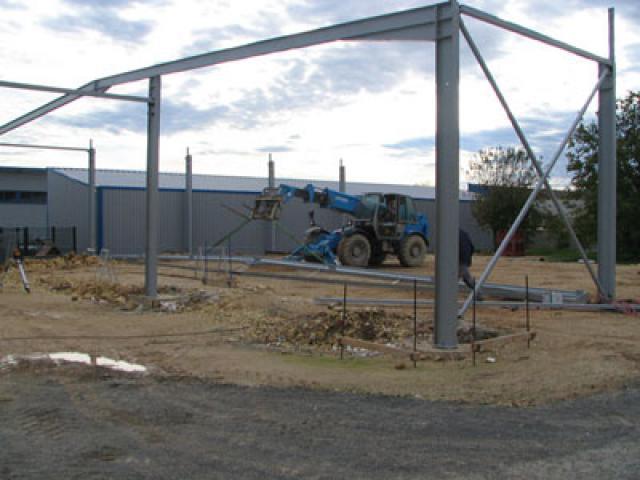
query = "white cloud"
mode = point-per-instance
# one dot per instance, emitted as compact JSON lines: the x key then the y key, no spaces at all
{"x":313,"y":106}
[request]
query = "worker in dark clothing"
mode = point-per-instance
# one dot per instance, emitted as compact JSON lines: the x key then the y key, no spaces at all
{"x":465,"y":249}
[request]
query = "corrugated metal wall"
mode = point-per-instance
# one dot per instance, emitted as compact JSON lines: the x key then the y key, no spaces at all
{"x":121,"y":218}
{"x":24,"y":180}
{"x":23,"y":214}
{"x":123,"y":212}
{"x":68,"y":207}
{"x":481,"y":238}
{"x":212,"y":221}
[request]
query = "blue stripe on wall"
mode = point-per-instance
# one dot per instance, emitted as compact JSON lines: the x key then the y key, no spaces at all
{"x":99,"y":219}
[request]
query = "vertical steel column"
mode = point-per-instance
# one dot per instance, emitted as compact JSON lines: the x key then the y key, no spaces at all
{"x":607,"y":170}
{"x":342,"y":188}
{"x":92,"y":198}
{"x":447,"y":182}
{"x":188,"y":189}
{"x":153,"y":148}
{"x":272,"y":184}
{"x":272,"y":173}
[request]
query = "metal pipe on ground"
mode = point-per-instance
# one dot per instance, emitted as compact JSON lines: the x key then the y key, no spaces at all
{"x":580,"y":307}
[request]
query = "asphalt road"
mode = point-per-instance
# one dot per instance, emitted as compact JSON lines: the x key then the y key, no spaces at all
{"x":70,"y":423}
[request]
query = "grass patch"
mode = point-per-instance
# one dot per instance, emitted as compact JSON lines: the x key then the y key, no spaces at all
{"x":331,"y":362}
{"x":572,"y":255}
{"x":558,"y":254}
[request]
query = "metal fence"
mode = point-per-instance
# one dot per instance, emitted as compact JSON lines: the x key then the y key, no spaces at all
{"x":38,"y":240}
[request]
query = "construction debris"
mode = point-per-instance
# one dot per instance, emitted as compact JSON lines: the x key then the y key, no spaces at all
{"x":69,"y":261}
{"x":131,"y":297}
{"x":323,"y":329}
{"x":375,"y":327}
{"x":492,"y":343}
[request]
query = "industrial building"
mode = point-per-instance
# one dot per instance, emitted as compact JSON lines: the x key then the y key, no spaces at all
{"x":218,"y":203}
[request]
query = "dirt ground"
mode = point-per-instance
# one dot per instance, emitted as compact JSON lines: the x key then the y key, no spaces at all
{"x":265,"y":331}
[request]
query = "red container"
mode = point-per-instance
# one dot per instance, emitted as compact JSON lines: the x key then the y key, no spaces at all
{"x":515,"y":248}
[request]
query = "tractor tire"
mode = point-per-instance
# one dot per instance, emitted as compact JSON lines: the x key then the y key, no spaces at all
{"x":412,"y":251}
{"x":377,"y":259}
{"x":354,"y":250}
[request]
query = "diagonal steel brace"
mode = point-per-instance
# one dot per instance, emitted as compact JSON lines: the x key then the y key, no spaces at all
{"x":516,"y":224}
{"x":525,"y":143}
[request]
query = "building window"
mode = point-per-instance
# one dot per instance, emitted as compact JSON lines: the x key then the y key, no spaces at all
{"x":10,"y":196}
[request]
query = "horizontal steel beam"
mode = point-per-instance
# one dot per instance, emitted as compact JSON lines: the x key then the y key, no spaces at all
{"x":418,"y":22}
{"x":356,"y":30}
{"x":526,"y":32}
{"x":73,"y":92}
{"x":581,"y":307}
{"x":44,"y":147}
{"x":47,"y":108}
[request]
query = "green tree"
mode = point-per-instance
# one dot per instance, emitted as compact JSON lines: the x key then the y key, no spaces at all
{"x":506,"y":175}
{"x":583,"y":164}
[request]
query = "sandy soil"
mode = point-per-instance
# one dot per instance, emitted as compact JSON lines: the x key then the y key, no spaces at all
{"x":253,"y":333}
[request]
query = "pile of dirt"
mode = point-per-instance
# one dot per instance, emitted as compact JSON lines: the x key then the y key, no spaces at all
{"x":130,"y":297}
{"x":371,"y":324}
{"x":69,"y":261}
{"x":466,"y":333}
{"x":322,"y":329}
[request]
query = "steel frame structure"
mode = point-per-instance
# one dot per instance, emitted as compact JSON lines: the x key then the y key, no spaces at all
{"x":442,"y":24}
{"x":91,"y":152}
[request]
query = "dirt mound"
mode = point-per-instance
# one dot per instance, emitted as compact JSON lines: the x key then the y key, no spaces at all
{"x":371,"y":324}
{"x":130,"y":297}
{"x":69,"y":261}
{"x":323,"y":328}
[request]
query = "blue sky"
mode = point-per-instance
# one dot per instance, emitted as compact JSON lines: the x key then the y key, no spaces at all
{"x":371,"y":104}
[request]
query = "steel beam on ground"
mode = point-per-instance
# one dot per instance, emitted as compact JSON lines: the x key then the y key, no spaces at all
{"x":518,"y":221}
{"x":447,"y":184}
{"x":514,"y":292}
{"x":72,"y":91}
{"x":525,"y":143}
{"x":152,"y":205}
{"x":526,"y":32}
{"x":607,"y":170}
{"x":395,"y":302}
